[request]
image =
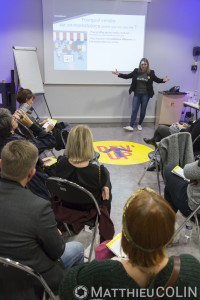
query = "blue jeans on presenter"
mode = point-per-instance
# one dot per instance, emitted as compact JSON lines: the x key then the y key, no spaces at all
{"x":139,"y":100}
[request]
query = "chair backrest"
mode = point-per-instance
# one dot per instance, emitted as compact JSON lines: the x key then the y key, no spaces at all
{"x":64,"y":135}
{"x":18,"y":282}
{"x":176,"y":149}
{"x":71,"y":194}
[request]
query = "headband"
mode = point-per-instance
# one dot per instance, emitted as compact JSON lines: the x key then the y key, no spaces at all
{"x":125,"y":229}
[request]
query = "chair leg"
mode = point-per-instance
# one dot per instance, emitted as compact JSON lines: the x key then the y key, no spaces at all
{"x":186,"y":220}
{"x":157,"y":172}
{"x":154,"y":156}
{"x":197,"y":227}
{"x":93,"y":239}
{"x":67,"y":228}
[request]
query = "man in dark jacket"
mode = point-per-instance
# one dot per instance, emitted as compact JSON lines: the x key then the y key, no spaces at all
{"x":28,"y":231}
{"x":42,"y":140}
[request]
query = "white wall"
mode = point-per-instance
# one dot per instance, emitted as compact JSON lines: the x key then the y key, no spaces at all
{"x":172,"y":30}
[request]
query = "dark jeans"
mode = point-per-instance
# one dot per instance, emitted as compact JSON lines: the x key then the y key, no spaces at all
{"x":176,"y":191}
{"x":161,"y":132}
{"x":139,"y":100}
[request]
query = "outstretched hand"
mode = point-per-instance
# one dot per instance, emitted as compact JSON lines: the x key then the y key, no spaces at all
{"x":165,"y":79}
{"x":115,"y":72}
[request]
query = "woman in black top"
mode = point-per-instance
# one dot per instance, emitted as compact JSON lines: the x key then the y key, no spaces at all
{"x":75,"y":166}
{"x":142,"y":86}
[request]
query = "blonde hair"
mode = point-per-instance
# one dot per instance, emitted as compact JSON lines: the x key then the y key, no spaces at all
{"x":80,"y":144}
{"x":18,"y":159}
{"x":148,"y":226}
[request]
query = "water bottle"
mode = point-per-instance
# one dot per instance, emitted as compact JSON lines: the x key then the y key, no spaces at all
{"x":188,"y":230}
{"x":195,"y":97}
{"x":190,"y":100}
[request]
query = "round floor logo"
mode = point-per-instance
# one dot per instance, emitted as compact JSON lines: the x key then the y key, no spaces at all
{"x":80,"y":292}
{"x":122,"y":152}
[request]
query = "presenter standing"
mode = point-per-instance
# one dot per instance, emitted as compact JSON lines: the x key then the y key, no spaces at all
{"x":142,"y":86}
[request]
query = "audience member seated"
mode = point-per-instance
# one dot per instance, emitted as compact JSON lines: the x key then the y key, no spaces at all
{"x":75,"y":166}
{"x":43,"y":141}
{"x":148,"y":226}
{"x":181,"y":194}
{"x":28,"y":231}
{"x":163,"y":131}
{"x":25,"y":98}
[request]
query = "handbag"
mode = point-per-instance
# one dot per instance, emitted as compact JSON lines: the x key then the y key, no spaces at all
{"x":102,"y":252}
{"x":173,"y":278}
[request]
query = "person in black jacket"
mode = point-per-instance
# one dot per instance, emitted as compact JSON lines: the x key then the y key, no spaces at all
{"x":163,"y":131}
{"x":28,"y":232}
{"x":142,"y":86}
{"x":60,"y":130}
{"x":43,"y":140}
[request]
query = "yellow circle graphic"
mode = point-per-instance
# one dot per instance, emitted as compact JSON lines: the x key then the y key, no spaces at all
{"x":122,"y":152}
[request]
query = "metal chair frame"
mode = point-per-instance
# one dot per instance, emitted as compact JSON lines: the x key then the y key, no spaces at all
{"x":153,"y":158}
{"x":197,"y":223}
{"x":15,"y":264}
{"x":63,"y":185}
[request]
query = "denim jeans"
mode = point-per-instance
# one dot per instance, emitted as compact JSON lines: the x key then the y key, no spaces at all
{"x":73,"y":254}
{"x":139,"y":100}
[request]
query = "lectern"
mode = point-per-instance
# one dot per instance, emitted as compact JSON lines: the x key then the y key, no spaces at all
{"x":169,"y":107}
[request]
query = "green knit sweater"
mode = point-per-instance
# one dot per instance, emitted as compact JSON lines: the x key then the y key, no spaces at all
{"x":108,"y":279}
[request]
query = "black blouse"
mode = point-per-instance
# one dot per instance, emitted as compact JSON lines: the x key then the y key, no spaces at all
{"x":92,"y":177}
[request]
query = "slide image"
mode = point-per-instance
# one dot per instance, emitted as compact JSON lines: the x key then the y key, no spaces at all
{"x":97,"y":42}
{"x":70,"y":50}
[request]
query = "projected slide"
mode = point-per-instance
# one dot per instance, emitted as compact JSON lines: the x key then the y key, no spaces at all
{"x":98,"y":42}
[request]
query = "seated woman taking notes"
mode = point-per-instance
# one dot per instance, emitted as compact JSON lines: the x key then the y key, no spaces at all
{"x":25,"y":98}
{"x":148,"y":226}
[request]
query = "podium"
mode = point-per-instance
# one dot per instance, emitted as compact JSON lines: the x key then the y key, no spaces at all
{"x":169,"y":107}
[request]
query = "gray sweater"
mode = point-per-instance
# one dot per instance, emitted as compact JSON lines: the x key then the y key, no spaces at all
{"x":176,"y":149}
{"x":192,"y":172}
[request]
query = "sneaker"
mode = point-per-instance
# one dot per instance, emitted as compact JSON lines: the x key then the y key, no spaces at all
{"x":128,"y":128}
{"x":139,"y":127}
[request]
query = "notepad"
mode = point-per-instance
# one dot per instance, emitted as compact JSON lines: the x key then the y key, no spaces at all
{"x":50,"y":121}
{"x":179,"y":172}
{"x":48,"y":161}
{"x":115,"y":246}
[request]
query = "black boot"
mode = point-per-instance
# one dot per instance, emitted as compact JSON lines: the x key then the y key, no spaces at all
{"x":150,"y":141}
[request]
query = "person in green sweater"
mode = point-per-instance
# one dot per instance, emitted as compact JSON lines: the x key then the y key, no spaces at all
{"x":148,"y":226}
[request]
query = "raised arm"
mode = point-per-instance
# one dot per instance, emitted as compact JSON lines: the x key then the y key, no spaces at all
{"x":115,"y":72}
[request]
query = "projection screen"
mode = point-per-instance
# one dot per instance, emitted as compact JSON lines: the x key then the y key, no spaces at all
{"x":84,"y":41}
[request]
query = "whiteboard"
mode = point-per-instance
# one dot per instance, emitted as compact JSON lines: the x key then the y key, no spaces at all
{"x":28,"y":69}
